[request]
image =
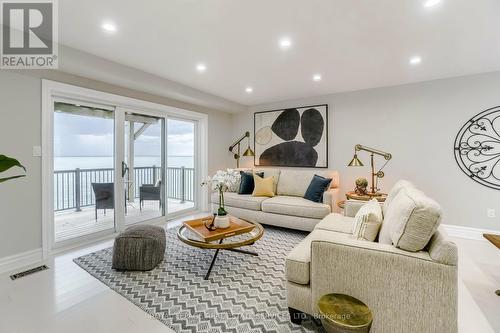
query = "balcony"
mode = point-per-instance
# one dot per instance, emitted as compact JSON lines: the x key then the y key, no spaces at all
{"x":74,"y":198}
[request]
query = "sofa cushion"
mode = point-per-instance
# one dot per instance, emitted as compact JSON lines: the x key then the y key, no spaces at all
{"x":401,"y":184}
{"x":296,"y":182}
{"x":317,"y":188}
{"x":245,"y":201}
{"x":295,"y":206}
{"x":412,"y":219}
{"x":336,"y":222}
{"x":442,"y":250}
{"x":384,"y":235}
{"x":298,"y":261}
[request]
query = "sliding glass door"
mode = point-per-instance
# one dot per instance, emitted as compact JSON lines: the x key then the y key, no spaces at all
{"x":84,"y":174}
{"x":181,"y":175}
{"x":144,"y":167}
{"x":113,"y":167}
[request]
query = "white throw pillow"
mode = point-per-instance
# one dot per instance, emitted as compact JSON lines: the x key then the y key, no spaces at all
{"x":367,"y":221}
{"x":385,"y":233}
{"x":401,"y":184}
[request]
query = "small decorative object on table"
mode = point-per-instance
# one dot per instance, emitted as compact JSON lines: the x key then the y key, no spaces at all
{"x":221,"y":182}
{"x":343,"y":313}
{"x":209,"y":222}
{"x":361,"y":185}
{"x":355,"y":162}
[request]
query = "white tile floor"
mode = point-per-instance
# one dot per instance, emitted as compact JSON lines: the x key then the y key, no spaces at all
{"x":67,"y":299}
{"x":479,"y":274}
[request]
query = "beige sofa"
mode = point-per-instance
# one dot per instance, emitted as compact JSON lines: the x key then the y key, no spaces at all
{"x":406,"y":291}
{"x":288,"y":208}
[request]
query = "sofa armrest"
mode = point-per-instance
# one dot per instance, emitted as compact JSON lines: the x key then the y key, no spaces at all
{"x":331,"y":198}
{"x":398,"y":286}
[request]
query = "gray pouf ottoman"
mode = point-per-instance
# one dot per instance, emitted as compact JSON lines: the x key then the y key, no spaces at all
{"x":139,"y":248}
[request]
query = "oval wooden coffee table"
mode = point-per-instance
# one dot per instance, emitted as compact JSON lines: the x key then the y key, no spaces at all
{"x":240,"y":233}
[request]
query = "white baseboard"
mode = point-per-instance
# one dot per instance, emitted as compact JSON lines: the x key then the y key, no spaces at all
{"x":19,"y":260}
{"x":467,"y":232}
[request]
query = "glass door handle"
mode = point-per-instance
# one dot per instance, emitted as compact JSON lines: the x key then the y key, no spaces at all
{"x":124,"y":168}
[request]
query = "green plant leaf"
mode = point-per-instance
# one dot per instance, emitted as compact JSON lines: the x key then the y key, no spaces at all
{"x":9,"y":178}
{"x":8,"y":162}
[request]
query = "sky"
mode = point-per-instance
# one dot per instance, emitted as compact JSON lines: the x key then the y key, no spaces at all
{"x":76,"y":135}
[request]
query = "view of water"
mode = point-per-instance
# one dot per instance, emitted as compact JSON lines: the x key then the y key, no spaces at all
{"x":102,"y":162}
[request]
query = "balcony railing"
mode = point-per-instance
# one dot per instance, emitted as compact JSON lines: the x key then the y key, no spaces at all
{"x":73,"y":188}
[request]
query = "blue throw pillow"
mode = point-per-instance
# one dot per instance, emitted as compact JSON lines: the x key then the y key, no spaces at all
{"x":316,"y":188}
{"x":247,"y":184}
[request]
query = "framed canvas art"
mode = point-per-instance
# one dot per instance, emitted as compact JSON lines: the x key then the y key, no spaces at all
{"x":294,"y":137}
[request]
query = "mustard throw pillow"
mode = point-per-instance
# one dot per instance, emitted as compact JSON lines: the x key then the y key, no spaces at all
{"x":264,"y":187}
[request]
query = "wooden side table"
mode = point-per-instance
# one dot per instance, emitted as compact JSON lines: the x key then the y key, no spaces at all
{"x":343,"y":313}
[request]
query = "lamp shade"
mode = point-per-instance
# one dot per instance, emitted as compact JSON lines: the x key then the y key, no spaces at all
{"x":249,"y":152}
{"x":355,"y":162}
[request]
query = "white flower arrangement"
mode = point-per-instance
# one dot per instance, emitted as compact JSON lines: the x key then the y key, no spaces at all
{"x":223,"y":181}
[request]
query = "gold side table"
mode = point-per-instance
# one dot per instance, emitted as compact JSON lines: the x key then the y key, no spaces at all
{"x":366,"y":197}
{"x":344,"y":314}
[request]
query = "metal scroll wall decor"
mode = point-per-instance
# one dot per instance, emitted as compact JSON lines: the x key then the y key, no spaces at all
{"x":477,"y":148}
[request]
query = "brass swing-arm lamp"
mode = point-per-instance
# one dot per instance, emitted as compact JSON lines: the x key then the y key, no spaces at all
{"x":379,"y":174}
{"x":248,"y":151}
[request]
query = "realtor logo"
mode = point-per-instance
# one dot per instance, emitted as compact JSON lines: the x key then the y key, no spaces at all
{"x":29,"y":36}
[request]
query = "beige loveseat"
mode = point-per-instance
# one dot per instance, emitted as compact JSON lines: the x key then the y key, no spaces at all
{"x":406,"y":291}
{"x":288,"y":208}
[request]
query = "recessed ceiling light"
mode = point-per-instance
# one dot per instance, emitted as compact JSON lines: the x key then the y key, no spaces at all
{"x":109,"y":27}
{"x":431,"y":3}
{"x":285,"y":43}
{"x":415,"y":60}
{"x":201,"y":68}
{"x":317,"y":77}
{"x":249,"y":90}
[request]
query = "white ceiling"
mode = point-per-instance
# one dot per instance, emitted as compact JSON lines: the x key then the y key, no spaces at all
{"x":354,"y":44}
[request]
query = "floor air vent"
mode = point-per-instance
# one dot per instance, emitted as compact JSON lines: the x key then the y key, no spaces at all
{"x":28,"y":272}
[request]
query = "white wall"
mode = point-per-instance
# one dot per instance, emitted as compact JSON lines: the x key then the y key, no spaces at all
{"x":417,"y":123}
{"x":20,"y":130}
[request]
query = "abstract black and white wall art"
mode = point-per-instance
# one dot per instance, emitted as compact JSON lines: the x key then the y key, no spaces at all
{"x":295,"y":137}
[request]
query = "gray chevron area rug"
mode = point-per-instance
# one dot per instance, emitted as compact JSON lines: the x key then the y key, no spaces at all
{"x":243,"y":294}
